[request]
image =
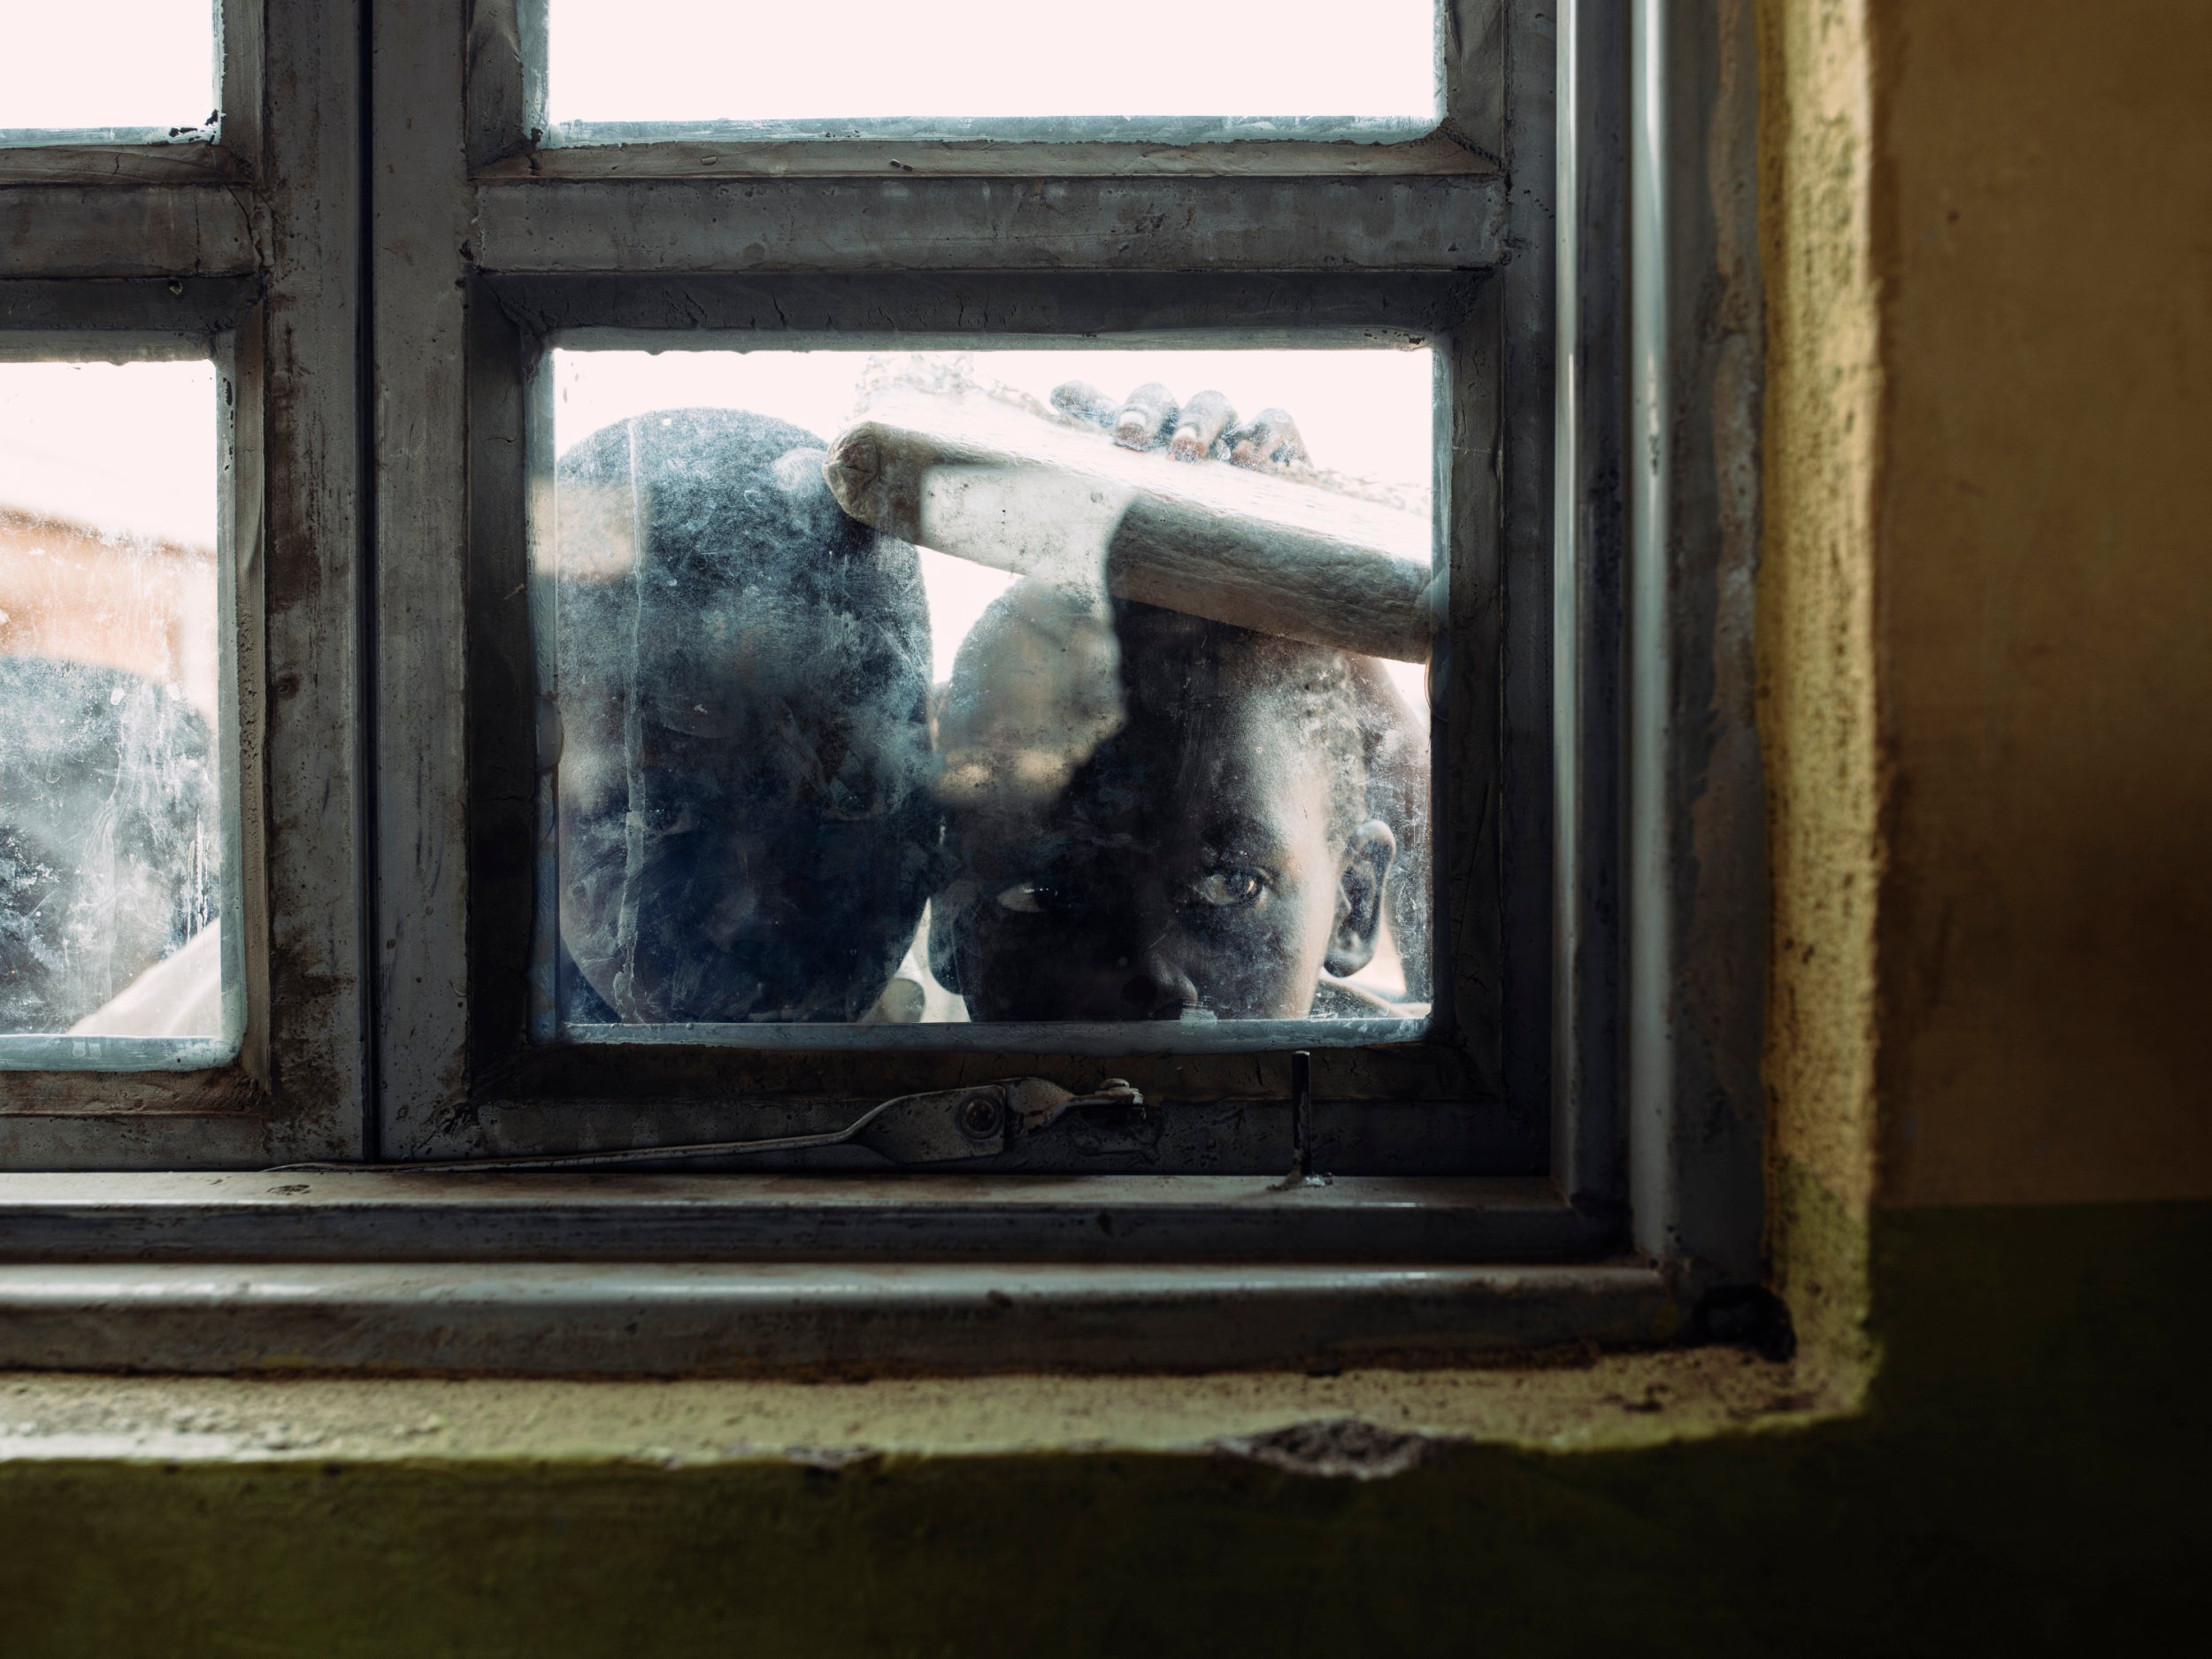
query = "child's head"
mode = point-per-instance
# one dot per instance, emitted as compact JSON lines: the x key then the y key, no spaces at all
{"x":110,"y":857}
{"x":1215,"y":850}
{"x":746,"y":827}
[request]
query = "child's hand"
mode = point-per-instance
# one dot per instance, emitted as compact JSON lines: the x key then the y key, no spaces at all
{"x":1205,"y":428}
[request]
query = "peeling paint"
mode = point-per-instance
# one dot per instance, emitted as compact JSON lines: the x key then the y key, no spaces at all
{"x":1340,"y":1448}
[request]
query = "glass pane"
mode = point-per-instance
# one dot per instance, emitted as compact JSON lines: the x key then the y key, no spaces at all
{"x":132,"y":64}
{"x":112,"y":861}
{"x":937,"y":688}
{"x":881,"y":60}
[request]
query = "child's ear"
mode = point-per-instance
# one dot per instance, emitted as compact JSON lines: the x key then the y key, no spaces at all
{"x":1359,"y":897}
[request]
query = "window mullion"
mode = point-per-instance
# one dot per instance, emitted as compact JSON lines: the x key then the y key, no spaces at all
{"x":421,"y":213}
{"x":306,"y":550}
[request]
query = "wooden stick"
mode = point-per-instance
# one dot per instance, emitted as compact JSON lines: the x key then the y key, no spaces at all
{"x":1208,"y":538}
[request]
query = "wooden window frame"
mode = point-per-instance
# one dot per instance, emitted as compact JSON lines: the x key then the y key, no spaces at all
{"x":239,"y":245}
{"x":512,"y":242}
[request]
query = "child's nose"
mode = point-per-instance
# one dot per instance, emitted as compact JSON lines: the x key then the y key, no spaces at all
{"x":1161,"y":987}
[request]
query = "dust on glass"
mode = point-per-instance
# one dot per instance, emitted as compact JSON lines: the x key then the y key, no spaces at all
{"x":1017,"y":686}
{"x":111,"y":866}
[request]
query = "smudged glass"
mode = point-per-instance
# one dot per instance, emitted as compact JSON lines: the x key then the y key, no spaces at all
{"x":115,"y":867}
{"x":933,"y":688}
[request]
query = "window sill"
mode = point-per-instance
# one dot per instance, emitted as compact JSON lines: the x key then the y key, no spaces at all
{"x":1360,"y":1423}
{"x":393,"y":1215}
{"x":675,"y":1275}
{"x":688,"y":1319}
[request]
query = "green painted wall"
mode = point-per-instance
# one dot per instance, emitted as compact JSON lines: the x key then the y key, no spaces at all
{"x":2028,"y":1476}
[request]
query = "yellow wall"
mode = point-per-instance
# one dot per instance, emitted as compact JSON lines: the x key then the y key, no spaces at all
{"x":2041,"y":224}
{"x":1986,"y":616}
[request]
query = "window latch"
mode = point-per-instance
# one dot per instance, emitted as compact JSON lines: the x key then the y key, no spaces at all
{"x":940,"y":1127}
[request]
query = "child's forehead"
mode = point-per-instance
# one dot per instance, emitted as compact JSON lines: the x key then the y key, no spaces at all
{"x":1241,"y":769}
{"x":1237,"y":720}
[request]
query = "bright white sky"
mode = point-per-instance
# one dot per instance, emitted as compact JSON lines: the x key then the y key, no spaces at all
{"x":151,"y":63}
{"x":116,"y":62}
{"x":692,"y":60}
{"x":1365,"y":412}
{"x":127,"y":448}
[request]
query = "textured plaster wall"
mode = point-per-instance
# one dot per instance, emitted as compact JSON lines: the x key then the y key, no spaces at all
{"x":1986,"y":617}
{"x":2041,"y":218}
{"x":1816,"y":691}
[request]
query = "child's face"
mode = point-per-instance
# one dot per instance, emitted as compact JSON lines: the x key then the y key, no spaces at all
{"x":1190,"y":864}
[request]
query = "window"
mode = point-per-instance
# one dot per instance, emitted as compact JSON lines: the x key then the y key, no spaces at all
{"x":133,"y":70}
{"x":721,"y":261}
{"x":971,"y":607}
{"x":809,"y":778}
{"x":117,"y":855}
{"x":609,"y":65}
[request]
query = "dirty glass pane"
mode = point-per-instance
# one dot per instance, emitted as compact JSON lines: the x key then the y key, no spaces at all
{"x":111,"y":855}
{"x":1007,"y":687}
{"x":876,"y":62}
{"x":126,"y":65}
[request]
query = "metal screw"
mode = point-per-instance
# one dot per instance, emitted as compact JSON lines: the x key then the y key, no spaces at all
{"x":981,"y":1114}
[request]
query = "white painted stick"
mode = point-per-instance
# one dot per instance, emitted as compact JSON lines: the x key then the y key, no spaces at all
{"x":1206,"y":539}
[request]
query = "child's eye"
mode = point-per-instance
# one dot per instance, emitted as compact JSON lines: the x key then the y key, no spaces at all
{"x":665,"y":820}
{"x":1227,"y":888}
{"x":1027,"y":898}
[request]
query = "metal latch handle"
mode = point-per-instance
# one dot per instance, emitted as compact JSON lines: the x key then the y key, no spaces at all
{"x":939,"y":1126}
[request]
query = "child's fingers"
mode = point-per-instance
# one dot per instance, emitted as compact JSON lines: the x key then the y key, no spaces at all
{"x":1079,"y":400}
{"x":1147,"y":418}
{"x":1200,"y":429}
{"x":1268,"y":443}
